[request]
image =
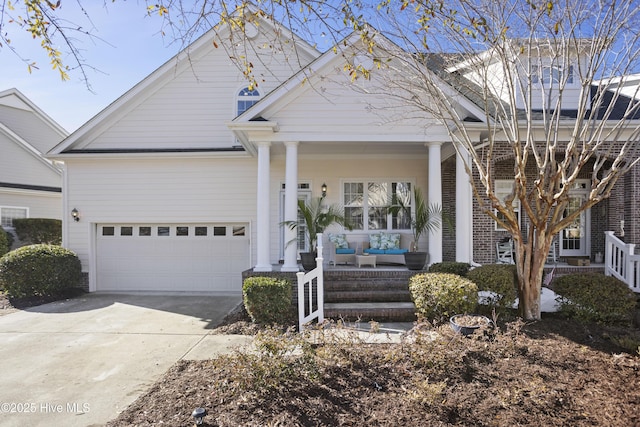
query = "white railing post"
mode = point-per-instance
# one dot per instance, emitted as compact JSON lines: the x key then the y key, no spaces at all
{"x":621,"y":261}
{"x":608,"y":252}
{"x":316,"y":274}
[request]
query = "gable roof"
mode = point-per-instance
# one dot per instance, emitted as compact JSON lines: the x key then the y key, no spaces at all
{"x":75,"y":143}
{"x":26,"y":125}
{"x":26,"y":119}
{"x":314,"y":72}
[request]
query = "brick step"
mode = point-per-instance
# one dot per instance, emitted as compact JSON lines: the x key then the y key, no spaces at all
{"x":367,"y":295}
{"x":365,"y":312}
{"x":359,"y":285}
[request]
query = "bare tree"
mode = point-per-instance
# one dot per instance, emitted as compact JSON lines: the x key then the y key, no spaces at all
{"x":538,"y":82}
{"x":546,"y":77}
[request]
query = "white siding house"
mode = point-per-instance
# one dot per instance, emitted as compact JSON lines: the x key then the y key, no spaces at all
{"x":185,"y":180}
{"x":30,"y":184}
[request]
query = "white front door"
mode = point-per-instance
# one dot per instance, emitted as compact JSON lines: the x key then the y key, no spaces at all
{"x":575,"y":239}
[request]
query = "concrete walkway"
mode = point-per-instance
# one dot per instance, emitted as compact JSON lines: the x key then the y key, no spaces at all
{"x":81,"y":362}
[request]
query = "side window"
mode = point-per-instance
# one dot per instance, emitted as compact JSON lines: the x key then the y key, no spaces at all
{"x":246,"y":98}
{"x":8,"y":214}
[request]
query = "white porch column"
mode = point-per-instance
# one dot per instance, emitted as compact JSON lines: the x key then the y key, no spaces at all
{"x":291,"y":206}
{"x":262,"y":233}
{"x":435,"y":198}
{"x":464,"y":209}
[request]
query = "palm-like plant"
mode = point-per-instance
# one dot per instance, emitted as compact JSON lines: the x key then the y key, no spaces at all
{"x":317,"y":217}
{"x":426,"y":217}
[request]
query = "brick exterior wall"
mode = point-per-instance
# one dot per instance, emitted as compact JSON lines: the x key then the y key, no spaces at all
{"x":624,"y":204}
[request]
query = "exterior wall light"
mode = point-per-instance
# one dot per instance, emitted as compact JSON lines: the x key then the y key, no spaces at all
{"x":324,"y":189}
{"x":75,"y":214}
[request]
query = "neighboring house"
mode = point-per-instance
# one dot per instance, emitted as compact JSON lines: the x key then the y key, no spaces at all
{"x":30,"y":184}
{"x":183,"y":182}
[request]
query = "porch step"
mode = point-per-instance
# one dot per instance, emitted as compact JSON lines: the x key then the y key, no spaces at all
{"x":368,"y":294}
{"x":367,"y":311}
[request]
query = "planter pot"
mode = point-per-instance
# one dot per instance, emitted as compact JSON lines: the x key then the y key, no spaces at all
{"x":308,"y":260}
{"x":415,"y":260}
{"x":466,"y":324}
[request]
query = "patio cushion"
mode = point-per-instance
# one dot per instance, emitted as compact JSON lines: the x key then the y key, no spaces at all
{"x":374,"y":241}
{"x":344,"y":251}
{"x":374,"y":251}
{"x":339,"y":241}
{"x":389,"y":240}
{"x":395,"y":251}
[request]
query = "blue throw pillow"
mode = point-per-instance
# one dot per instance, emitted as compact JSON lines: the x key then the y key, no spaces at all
{"x":345,"y":251}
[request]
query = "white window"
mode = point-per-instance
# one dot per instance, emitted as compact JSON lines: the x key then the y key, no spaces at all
{"x":551,"y":74}
{"x":366,"y":204}
{"x":9,"y":213}
{"x":246,"y":98}
{"x":503,"y":189}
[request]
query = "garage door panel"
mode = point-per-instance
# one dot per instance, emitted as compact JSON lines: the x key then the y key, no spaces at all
{"x":157,"y":258}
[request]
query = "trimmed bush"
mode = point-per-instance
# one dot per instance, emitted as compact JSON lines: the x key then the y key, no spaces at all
{"x":267,"y":299}
{"x":438,"y":296}
{"x":459,"y":268}
{"x":39,"y":230}
{"x":595,"y":298}
{"x":39,"y":270}
{"x":4,"y":242}
{"x":501,"y":279}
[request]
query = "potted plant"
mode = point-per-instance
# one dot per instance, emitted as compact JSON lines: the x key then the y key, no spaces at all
{"x":317,"y":217}
{"x":424,"y":218}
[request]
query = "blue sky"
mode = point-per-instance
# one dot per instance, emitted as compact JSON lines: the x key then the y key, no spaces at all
{"x":132,"y":48}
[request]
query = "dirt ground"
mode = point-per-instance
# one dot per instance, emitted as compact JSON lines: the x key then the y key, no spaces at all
{"x":554,"y":372}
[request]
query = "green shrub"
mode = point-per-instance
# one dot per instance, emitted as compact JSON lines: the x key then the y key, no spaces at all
{"x":4,"y":242}
{"x":267,"y":299}
{"x":459,"y":268}
{"x":438,"y":296}
{"x":595,"y":298}
{"x":39,"y":270}
{"x":39,"y":230}
{"x":501,"y":279}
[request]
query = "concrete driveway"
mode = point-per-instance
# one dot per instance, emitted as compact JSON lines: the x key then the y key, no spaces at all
{"x":81,"y":362}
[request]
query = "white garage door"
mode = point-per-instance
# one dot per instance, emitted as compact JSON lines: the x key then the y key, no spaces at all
{"x":171,"y":257}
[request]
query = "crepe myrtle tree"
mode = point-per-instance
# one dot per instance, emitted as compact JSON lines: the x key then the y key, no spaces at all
{"x":542,"y":83}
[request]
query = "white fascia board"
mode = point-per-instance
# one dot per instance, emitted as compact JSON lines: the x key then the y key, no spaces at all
{"x":151,"y":155}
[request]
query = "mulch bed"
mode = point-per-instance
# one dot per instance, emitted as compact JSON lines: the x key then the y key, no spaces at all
{"x":554,"y":372}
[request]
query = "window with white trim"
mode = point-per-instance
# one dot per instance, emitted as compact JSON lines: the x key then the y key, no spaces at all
{"x":548,"y":74}
{"x":9,"y":213}
{"x":246,"y":98}
{"x":366,"y":204}
{"x":503,"y":188}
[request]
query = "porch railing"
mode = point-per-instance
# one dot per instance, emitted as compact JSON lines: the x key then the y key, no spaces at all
{"x":311,"y":292}
{"x":620,"y":261}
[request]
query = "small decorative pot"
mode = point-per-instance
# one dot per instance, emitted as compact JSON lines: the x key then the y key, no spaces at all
{"x":466,"y":324}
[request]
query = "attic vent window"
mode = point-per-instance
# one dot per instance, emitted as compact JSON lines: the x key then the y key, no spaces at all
{"x":246,"y":98}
